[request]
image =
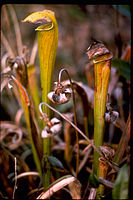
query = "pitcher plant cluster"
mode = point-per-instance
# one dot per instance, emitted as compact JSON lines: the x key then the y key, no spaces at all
{"x":42,"y":128}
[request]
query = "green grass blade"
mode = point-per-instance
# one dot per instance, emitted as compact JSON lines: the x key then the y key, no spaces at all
{"x":25,"y":101}
{"x":28,"y":123}
{"x":121,"y":185}
{"x":34,"y":90}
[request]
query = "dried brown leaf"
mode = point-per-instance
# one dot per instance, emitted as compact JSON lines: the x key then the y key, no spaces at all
{"x":75,"y":189}
{"x":66,"y":180}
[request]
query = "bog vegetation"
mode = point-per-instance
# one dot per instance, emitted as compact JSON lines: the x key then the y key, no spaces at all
{"x":67,"y":138}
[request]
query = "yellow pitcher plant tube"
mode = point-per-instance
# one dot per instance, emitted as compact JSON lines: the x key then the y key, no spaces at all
{"x":47,"y":46}
{"x":101,"y":57}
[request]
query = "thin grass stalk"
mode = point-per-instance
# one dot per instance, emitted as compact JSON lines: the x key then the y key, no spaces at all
{"x":86,"y":125}
{"x":73,"y":125}
{"x":33,"y":82}
{"x":25,"y":101}
{"x":28,"y":123}
{"x":34,"y":52}
{"x":85,"y":104}
{"x":75,"y":118}
{"x":31,"y":129}
{"x":15,"y":172}
{"x":26,"y":104}
{"x":29,"y":115}
{"x":114,"y":166}
{"x":21,"y":91}
{"x":80,"y":90}
{"x":123,"y":143}
{"x":17,"y":29}
{"x":7,"y":45}
{"x":8,"y":27}
{"x":67,"y":138}
{"x":34,"y":90}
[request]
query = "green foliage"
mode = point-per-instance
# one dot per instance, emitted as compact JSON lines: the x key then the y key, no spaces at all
{"x":124,"y":9}
{"x":120,"y":190}
{"x":30,"y":93}
{"x":34,"y":86}
{"x":44,"y":160}
{"x":55,"y":162}
{"x":76,"y":13}
{"x":122,"y":66}
{"x":47,"y":36}
{"x":93,"y":181}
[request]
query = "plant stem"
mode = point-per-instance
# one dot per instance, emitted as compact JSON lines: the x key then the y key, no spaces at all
{"x":65,"y":118}
{"x":47,"y":36}
{"x":46,"y":67}
{"x":123,"y":143}
{"x":102,"y":72}
{"x":83,"y":92}
{"x":75,"y":118}
{"x":102,"y":172}
{"x":26,"y":104}
{"x":102,"y":66}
